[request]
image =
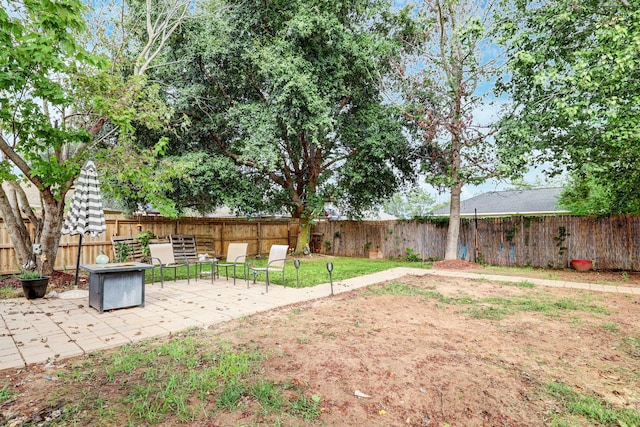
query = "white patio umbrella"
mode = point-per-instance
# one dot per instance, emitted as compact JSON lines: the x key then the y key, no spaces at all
{"x":85,"y":215}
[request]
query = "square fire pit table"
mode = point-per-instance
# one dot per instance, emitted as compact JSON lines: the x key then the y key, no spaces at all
{"x":117,"y":285}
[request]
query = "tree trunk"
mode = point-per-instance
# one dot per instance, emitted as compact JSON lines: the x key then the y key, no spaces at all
{"x":453,"y":232}
{"x":17,"y":230}
{"x":51,"y":234}
{"x":302,"y":244}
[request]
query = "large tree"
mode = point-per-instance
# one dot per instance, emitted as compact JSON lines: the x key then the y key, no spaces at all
{"x":445,"y":77}
{"x":43,"y":72}
{"x":284,"y":106}
{"x":574,"y":77}
{"x":60,"y":104}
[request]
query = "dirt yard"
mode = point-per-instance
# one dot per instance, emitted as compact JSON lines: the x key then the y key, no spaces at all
{"x":436,"y":351}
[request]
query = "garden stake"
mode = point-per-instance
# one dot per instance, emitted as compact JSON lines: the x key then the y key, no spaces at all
{"x":330,"y":269}
{"x":296,"y":264}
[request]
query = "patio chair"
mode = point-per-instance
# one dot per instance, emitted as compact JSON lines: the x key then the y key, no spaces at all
{"x":276,"y":263}
{"x":162,"y":257}
{"x":185,"y":249}
{"x":236,"y":257}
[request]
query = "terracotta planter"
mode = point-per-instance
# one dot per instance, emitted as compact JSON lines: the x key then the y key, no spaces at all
{"x":35,"y":288}
{"x":373,"y":254}
{"x":581,"y":264}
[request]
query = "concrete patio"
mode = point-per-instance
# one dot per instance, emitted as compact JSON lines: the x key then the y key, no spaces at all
{"x":44,"y":330}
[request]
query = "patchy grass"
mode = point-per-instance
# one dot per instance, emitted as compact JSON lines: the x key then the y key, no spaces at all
{"x":631,"y":346}
{"x":498,"y":307}
{"x":523,"y":284}
{"x":495,"y":307}
{"x":6,"y":394}
{"x":7,"y":292}
{"x":402,"y":289}
{"x":183,"y":379}
{"x":590,"y":408}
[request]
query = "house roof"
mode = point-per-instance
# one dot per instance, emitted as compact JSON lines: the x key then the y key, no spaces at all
{"x":539,"y":201}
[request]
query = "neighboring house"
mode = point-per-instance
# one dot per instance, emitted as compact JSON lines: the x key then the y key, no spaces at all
{"x":379,"y":216}
{"x":534,"y":202}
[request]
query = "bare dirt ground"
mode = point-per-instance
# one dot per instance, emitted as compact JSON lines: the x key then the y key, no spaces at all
{"x":424,"y":354}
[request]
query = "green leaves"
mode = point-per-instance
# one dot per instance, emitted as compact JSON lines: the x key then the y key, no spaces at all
{"x":287,"y":97}
{"x":575,"y":79}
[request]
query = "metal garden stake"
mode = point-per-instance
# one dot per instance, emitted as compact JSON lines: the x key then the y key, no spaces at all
{"x":296,"y":264}
{"x":330,"y":269}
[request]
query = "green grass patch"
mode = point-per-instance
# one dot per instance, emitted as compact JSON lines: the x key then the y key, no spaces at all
{"x":312,"y":271}
{"x":591,"y":408}
{"x":398,"y":289}
{"x":523,"y":284}
{"x":153,"y":383}
{"x":402,"y":289}
{"x":611,"y":327}
{"x":7,"y":292}
{"x":6,"y":394}
{"x":487,"y":312}
{"x":306,"y":408}
{"x":495,"y":308}
{"x":631,"y":346}
{"x":268,"y":394}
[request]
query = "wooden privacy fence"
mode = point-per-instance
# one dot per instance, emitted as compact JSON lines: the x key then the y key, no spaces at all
{"x":612,"y":243}
{"x":212,"y":237}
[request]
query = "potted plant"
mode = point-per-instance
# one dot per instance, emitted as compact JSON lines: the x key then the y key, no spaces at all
{"x":373,"y":253}
{"x":581,"y":264}
{"x":34,"y":285}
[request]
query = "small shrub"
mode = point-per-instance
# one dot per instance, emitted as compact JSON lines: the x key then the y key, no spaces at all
{"x":122,"y":251}
{"x":6,"y":394}
{"x":144,"y":239}
{"x":411,"y":256}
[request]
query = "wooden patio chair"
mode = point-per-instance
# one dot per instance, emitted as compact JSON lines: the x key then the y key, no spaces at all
{"x":276,"y":263}
{"x":162,"y":257}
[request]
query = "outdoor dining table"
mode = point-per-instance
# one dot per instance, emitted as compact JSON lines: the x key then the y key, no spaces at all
{"x":116,"y":285}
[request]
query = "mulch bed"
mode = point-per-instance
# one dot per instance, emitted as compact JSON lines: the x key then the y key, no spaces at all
{"x":58,"y":281}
